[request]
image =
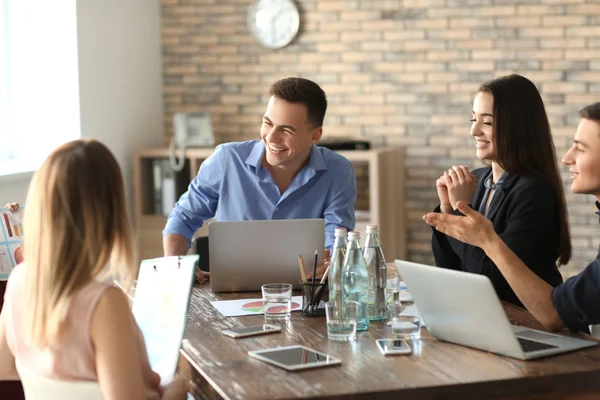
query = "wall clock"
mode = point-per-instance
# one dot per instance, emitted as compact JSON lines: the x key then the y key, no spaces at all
{"x":274,"y":23}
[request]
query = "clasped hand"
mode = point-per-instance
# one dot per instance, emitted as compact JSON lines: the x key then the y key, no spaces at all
{"x":456,"y":184}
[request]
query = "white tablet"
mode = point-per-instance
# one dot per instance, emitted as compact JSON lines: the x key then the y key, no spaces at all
{"x":294,"y":358}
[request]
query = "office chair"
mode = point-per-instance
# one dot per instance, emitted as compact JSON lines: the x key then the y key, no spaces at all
{"x":200,"y":247}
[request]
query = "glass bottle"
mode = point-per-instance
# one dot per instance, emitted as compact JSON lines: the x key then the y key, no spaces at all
{"x":377,"y":270}
{"x":355,"y":280}
{"x":336,"y":264}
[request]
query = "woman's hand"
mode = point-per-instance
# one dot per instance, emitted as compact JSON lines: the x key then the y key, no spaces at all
{"x":461,"y":185}
{"x":177,"y":389}
{"x":13,"y":207}
{"x":473,"y":228}
{"x":442,"y":191}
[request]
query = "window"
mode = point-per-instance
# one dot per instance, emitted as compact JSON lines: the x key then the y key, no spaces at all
{"x":4,"y":144}
{"x":39,"y":89}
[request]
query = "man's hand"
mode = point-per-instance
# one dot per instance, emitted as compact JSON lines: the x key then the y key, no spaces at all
{"x":473,"y":228}
{"x":321,"y":268}
{"x":202,"y":276}
{"x":477,"y":230}
{"x":177,"y":245}
{"x":461,"y":185}
{"x":13,"y":207}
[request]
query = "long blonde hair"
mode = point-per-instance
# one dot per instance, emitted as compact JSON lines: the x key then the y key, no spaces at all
{"x":76,"y":228}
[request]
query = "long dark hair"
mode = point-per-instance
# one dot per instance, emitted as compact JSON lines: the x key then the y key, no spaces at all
{"x":523,"y":141}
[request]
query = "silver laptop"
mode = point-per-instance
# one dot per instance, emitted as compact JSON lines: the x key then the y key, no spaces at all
{"x":463,"y":308}
{"x":247,"y":254}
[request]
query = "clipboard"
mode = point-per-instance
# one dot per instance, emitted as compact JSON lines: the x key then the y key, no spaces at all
{"x":160,"y":307}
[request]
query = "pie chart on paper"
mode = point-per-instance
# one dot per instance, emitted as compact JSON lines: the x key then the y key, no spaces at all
{"x":253,"y":306}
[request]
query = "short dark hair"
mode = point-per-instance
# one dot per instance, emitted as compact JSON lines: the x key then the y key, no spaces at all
{"x":303,"y":91}
{"x":523,"y":141}
{"x":591,"y":112}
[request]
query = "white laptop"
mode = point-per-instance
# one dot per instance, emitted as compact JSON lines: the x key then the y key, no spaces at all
{"x":463,"y":308}
{"x":247,"y":254}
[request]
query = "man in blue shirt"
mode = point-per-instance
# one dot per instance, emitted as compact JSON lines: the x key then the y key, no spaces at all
{"x":282,"y":176}
{"x":574,"y":303}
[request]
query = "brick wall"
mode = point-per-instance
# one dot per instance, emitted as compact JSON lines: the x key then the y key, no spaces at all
{"x":398,"y":72}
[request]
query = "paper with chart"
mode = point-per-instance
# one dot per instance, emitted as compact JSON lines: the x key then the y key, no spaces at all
{"x":160,"y":307}
{"x":237,"y":308}
{"x":11,"y":241}
{"x":404,"y":293}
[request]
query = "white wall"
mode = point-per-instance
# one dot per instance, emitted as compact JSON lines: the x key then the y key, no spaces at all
{"x":120,"y":76}
{"x":14,"y":188}
{"x":120,"y":82}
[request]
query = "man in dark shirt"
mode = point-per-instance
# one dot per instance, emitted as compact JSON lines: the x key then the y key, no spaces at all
{"x":575,"y":303}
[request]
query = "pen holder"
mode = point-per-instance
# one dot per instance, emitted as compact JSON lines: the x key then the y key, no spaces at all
{"x":314,"y":296}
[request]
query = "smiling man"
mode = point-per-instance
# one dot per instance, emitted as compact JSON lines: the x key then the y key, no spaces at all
{"x":284,"y":175}
{"x":574,"y":303}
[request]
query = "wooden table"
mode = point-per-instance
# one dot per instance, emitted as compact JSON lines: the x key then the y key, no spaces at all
{"x":220,"y":367}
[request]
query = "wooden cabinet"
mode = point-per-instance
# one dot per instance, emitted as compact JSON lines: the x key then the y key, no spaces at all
{"x":380,"y":186}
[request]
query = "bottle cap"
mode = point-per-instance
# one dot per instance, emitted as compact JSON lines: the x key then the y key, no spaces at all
{"x":372,"y":229}
{"x":340,"y":232}
{"x":353,"y":235}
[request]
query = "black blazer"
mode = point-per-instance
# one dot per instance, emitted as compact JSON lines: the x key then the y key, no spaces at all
{"x":524,"y":212}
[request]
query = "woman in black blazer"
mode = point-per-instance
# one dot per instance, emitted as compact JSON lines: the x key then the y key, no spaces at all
{"x":520,"y":191}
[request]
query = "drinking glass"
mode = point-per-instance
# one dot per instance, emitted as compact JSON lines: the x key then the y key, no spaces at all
{"x":404,"y":326}
{"x":277,"y":300}
{"x":341,"y":320}
{"x":392,"y":287}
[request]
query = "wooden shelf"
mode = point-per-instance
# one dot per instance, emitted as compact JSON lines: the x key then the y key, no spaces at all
{"x":385,"y":177}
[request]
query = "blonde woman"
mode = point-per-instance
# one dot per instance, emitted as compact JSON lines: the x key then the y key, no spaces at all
{"x":60,"y":320}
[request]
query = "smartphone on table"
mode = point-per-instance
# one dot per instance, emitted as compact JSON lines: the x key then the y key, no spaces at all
{"x":251,"y":331}
{"x":393,"y":346}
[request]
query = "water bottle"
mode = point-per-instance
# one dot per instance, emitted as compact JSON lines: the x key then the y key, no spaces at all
{"x":355,"y":280}
{"x":336,"y":264}
{"x":377,"y":270}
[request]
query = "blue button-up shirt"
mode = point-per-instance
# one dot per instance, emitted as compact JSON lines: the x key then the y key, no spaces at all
{"x":233,"y":185}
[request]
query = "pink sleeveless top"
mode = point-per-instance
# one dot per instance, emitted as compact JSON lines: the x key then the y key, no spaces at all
{"x":73,"y":358}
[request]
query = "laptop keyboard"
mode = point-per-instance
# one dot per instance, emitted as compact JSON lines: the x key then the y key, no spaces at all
{"x":530,"y":345}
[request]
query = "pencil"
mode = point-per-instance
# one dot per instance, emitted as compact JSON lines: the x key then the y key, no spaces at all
{"x":325,"y":275}
{"x":315,"y":267}
{"x":318,"y":296}
{"x":301,"y":265}
{"x":312,"y":289}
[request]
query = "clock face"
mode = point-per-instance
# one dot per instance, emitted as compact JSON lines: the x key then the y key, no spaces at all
{"x":274,"y":23}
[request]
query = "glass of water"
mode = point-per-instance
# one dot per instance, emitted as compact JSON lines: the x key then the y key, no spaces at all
{"x":392,"y":287}
{"x":404,"y":326}
{"x":277,"y":300}
{"x":341,"y":320}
